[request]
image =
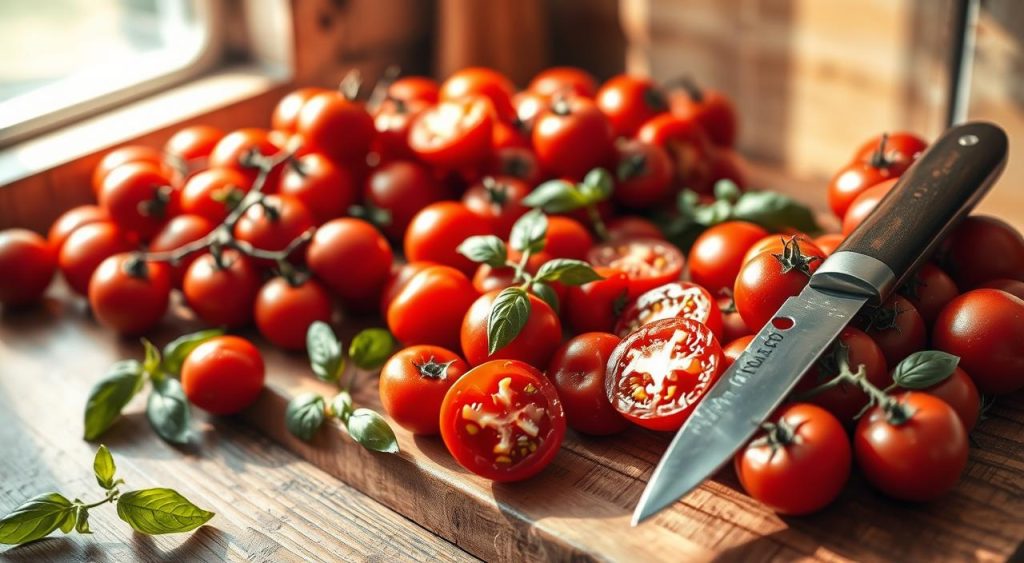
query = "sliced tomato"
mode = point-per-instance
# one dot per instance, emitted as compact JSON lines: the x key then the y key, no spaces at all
{"x":454,"y":134}
{"x":676,"y":299}
{"x":647,"y":262}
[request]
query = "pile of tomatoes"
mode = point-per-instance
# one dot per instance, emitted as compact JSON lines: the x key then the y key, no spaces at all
{"x":515,"y":324}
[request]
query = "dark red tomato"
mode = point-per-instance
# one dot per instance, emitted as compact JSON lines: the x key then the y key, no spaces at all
{"x":400,"y":275}
{"x":647,"y":262}
{"x":733,"y":326}
{"x":437,"y":230}
{"x":477,"y":81}
{"x":726,"y":164}
{"x":733,"y":349}
{"x":403,"y":188}
{"x":503,"y":421}
{"x":851,"y":181}
{"x":630,"y":226}
{"x":193,"y":142}
{"x":28,"y":263}
{"x":139,"y":198}
{"x":629,"y":102}
{"x":800,"y":464}
{"x":528,"y":106}
{"x":985,"y":327}
{"x":125,"y":155}
{"x":351,"y":257}
{"x":688,"y":147}
{"x":578,"y":372}
{"x":658,"y":374}
{"x":213,"y":193}
{"x":535,"y":344}
{"x":918,"y":459}
{"x":286,"y":112}
{"x":846,"y":400}
{"x":864,"y":204}
{"x":430,"y":307}
{"x":564,"y":80}
{"x":284,"y":311}
{"x":712,"y":109}
{"x":959,"y":392}
{"x":222,"y":294}
{"x":828,"y":243}
{"x":643,"y":174}
{"x":929,"y":289}
{"x":234,"y":149}
{"x":326,"y":189}
{"x":572,"y":138}
{"x":85,"y":248}
{"x":768,"y":279}
{"x":983,"y":248}
{"x":413,"y":384}
{"x":275,"y":223}
{"x":1013,"y":287}
{"x":392,"y":121}
{"x":567,"y":238}
{"x":454,"y":134}
{"x":497,"y":200}
{"x":900,"y":149}
{"x":896,"y":327}
{"x":129,"y":295}
{"x":71,"y":220}
{"x":335,"y":126}
{"x":677,"y":299}
{"x":223,"y":375}
{"x":717,"y":255}
{"x":507,"y":136}
{"x":515,"y":162}
{"x":595,"y":306}
{"x":178,"y":232}
{"x":414,"y":89}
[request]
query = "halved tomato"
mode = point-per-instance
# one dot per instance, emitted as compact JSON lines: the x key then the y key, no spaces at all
{"x":677,"y":299}
{"x":648,"y":262}
{"x":454,"y":134}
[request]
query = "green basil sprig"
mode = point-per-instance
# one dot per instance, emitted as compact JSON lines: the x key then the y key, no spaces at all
{"x":561,"y":196}
{"x":921,"y":370}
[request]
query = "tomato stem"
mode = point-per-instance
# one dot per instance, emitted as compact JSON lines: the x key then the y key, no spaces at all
{"x":878,"y":158}
{"x":380,"y":90}
{"x":521,"y":274}
{"x":600,"y":229}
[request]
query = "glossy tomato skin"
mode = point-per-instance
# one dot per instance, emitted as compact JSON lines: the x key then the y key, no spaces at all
{"x":284,"y":311}
{"x":209,"y":193}
{"x":335,"y":126}
{"x":929,"y":290}
{"x":85,"y":248}
{"x":578,"y":372}
{"x":535,"y":344}
{"x":479,"y":81}
{"x":286,"y":112}
{"x":901,"y":149}
{"x":223,"y":375}
{"x":70,"y":220}
{"x":717,"y":255}
{"x":403,"y":188}
{"x":897,"y":328}
{"x":326,"y":189}
{"x":627,"y":227}
{"x":392,"y":120}
{"x":985,"y":328}
{"x":983,"y":248}
{"x":567,"y":238}
{"x":516,"y":162}
{"x":595,"y":306}
{"x":828,"y":243}
{"x":918,"y":460}
{"x":178,"y":232}
{"x":733,"y":325}
{"x":413,"y":384}
{"x":1013,"y":287}
{"x":658,"y":374}
{"x":852,"y":180}
{"x":415,"y":89}
{"x":958,"y":391}
{"x":129,"y":296}
{"x":762,"y":287}
{"x":400,"y":275}
{"x":864,"y":204}
{"x":846,"y":400}
{"x":572,"y":138}
{"x":643,"y":174}
{"x":648,"y":263}
{"x":803,"y":475}
{"x":28,"y":263}
{"x":274,"y":224}
{"x":454,"y":134}
{"x":139,"y":198}
{"x":430,"y":307}
{"x":232,"y":149}
{"x":688,"y":147}
{"x":351,"y":257}
{"x":193,"y":142}
{"x":710,"y":108}
{"x":222,"y":295}
{"x":480,"y":406}
{"x":124,"y":155}
{"x":733,"y":350}
{"x":675,"y":299}
{"x":498,"y":200}
{"x":436,"y":231}
{"x":629,"y":101}
{"x":564,"y":80}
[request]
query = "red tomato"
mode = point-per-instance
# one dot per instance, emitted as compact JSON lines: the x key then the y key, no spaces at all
{"x":629,"y":101}
{"x":508,"y":136}
{"x":828,"y":243}
{"x":712,"y":109}
{"x":800,"y":465}
{"x":193,"y":142}
{"x":648,"y":263}
{"x":286,"y":112}
{"x":983,"y":248}
{"x":403,"y":188}
{"x":178,"y":232}
{"x":733,"y":326}
{"x":515,"y":162}
{"x":918,"y":459}
{"x":413,"y":384}
{"x":535,"y":344}
{"x":125,"y":155}
{"x":567,"y":238}
{"x":578,"y":372}
{"x":595,"y":306}
{"x":437,"y":230}
{"x":139,"y":198}
{"x":223,"y":375}
{"x":275,"y":223}
{"x":324,"y":188}
{"x":677,"y":299}
{"x":392,"y":121}
{"x":284,"y":311}
{"x":414,"y":89}
{"x":564,"y":80}
{"x":487,"y":278}
{"x":733,"y":349}
{"x":643,"y":174}
{"x":630,"y":226}
{"x":768,"y":279}
{"x":528,"y":106}
{"x":1013,"y":287}
{"x":213,"y":193}
{"x":853,"y":179}
{"x":129,"y":295}
{"x":430,"y":307}
{"x":28,"y":263}
{"x":658,"y":374}
{"x":503,"y":421}
{"x":85,"y":248}
{"x":233,"y":150}
{"x":929,"y":290}
{"x":477,"y":81}
{"x":899,"y":148}
{"x":717,"y":255}
{"x":454,"y":134}
{"x":985,"y":327}
{"x":572,"y":138}
{"x":959,"y":392}
{"x":400,"y":275}
{"x":846,"y":399}
{"x":70,"y":220}
{"x":776,"y":243}
{"x":725,"y":164}
{"x":222,"y":294}
{"x":351,"y":257}
{"x":497,"y":200}
{"x":864,"y":204}
{"x":896,"y":327}
{"x":688,"y":147}
{"x":335,"y":126}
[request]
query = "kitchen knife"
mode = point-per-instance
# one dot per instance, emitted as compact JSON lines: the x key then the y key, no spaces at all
{"x":903,"y":231}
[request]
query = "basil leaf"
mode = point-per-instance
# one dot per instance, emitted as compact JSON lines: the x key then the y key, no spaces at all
{"x":160,"y":511}
{"x":372,"y":431}
{"x":775,"y":212}
{"x":304,"y":415}
{"x":924,"y":369}
{"x":509,"y":312}
{"x":168,"y":412}
{"x":555,"y":196}
{"x":341,"y":406}
{"x":371,"y":348}
{"x":109,"y":395}
{"x":529,"y":232}
{"x":81,"y":517}
{"x":567,"y":271}
{"x":727,"y":190}
{"x":104,"y":468}
{"x":597,"y":186}
{"x":35,"y":519}
{"x":72,"y":516}
{"x":487,"y":249}
{"x":151,"y":363}
{"x":178,"y":349}
{"x":716,"y":212}
{"x":546,"y":293}
{"x":324,"y":350}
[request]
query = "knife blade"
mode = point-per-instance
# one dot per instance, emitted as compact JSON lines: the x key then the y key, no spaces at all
{"x":938,"y":190}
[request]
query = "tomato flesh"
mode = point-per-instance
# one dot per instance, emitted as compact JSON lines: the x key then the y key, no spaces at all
{"x":647,"y":262}
{"x":677,"y":299}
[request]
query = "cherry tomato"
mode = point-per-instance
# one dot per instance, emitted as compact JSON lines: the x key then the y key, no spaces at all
{"x":515,"y":162}
{"x":983,"y":248}
{"x":648,"y":263}
{"x":768,"y":279}
{"x":477,"y":81}
{"x":222,"y":294}
{"x":578,"y":372}
{"x":454,"y":134}
{"x":687,"y":146}
{"x":776,"y":243}
{"x":437,"y":230}
{"x":899,"y":148}
{"x":286,"y":112}
{"x":864,"y":204}
{"x":676,"y":299}
{"x":28,"y":263}
{"x":125,"y":155}
{"x":324,"y":188}
{"x":528,"y":106}
{"x":193,"y":142}
{"x":629,"y":101}
{"x":235,"y":148}
{"x":503,"y":420}
{"x":572,"y":137}
{"x":918,"y":459}
{"x":985,"y":327}
{"x":275,"y":223}
{"x":487,"y":278}
{"x":733,"y":326}
{"x":800,"y":464}
{"x":335,"y":126}
{"x":392,"y":121}
{"x":508,"y":136}
{"x":403,"y":188}
{"x":1013,"y":287}
{"x":535,"y":343}
{"x":430,"y":307}
{"x":658,"y":374}
{"x":896,"y":327}
{"x":643,"y":174}
{"x":139,"y":198}
{"x":564,"y":80}
{"x":414,"y":89}
{"x":846,"y":400}
{"x":929,"y":290}
{"x":284,"y":310}
{"x":828,"y":243}
{"x":497,"y":200}
{"x":710,"y":108}
{"x":733,"y":349}
{"x":213,"y":193}
{"x":85,"y":248}
{"x":567,"y":238}
{"x":717,"y":255}
{"x":71,"y":220}
{"x":178,"y":232}
{"x":351,"y":257}
{"x":413,"y":384}
{"x":595,"y":306}
{"x":128,"y":294}
{"x":852,"y":180}
{"x":627,"y":227}
{"x":958,"y":391}
{"x":223,"y":375}
{"x":400,"y":275}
